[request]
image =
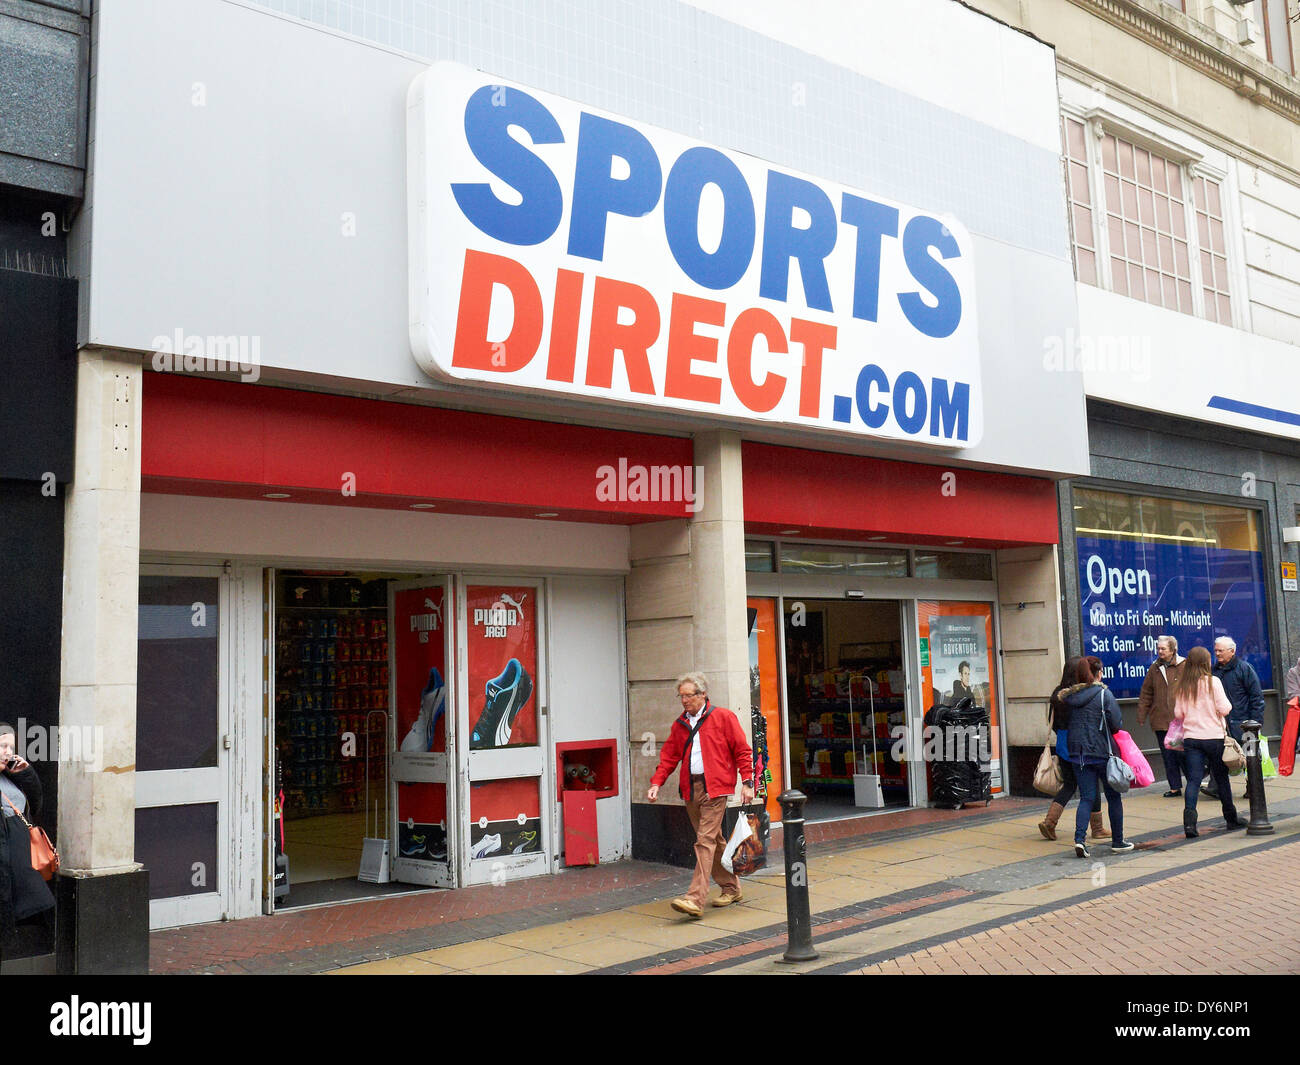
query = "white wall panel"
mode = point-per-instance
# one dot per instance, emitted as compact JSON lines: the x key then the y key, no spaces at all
{"x":250,"y":169}
{"x":588,"y":676}
{"x":280,"y":533}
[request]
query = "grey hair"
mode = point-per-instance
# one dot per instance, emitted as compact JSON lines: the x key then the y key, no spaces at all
{"x":1232,"y":644}
{"x":696,"y":680}
{"x":1172,"y":641}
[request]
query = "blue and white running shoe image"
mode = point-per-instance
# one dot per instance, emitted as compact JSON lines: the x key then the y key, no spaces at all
{"x":432,"y":704}
{"x":487,"y":845}
{"x":506,"y":696}
{"x":415,"y":847}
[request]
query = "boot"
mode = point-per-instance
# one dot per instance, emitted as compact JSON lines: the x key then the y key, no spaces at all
{"x":1047,"y":826}
{"x":1099,"y":830}
{"x":1189,"y":824}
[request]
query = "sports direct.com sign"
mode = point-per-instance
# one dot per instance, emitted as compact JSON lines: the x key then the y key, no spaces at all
{"x":556,"y":248}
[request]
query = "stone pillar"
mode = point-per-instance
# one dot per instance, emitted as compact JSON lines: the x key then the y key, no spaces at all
{"x":1029,"y":597}
{"x":103,"y":894}
{"x":685,"y":612}
{"x":718,"y":549}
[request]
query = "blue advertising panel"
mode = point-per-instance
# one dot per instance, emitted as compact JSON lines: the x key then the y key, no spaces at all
{"x":1132,"y":591}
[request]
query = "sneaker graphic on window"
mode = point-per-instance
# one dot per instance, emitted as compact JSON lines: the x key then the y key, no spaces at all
{"x":415,"y":847}
{"x":432,"y":701}
{"x":487,"y":845}
{"x":506,"y":696}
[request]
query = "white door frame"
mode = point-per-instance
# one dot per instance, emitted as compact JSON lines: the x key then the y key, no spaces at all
{"x":431,"y":767}
{"x":204,"y":786}
{"x":504,"y":763}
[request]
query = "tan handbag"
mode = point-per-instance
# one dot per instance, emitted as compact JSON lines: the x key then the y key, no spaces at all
{"x":1047,"y":775}
{"x":1234,"y":758}
{"x":45,"y":859}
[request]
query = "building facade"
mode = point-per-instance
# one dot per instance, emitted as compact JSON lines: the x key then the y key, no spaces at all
{"x":1181,"y":156}
{"x":44,"y":76}
{"x":452,"y":380}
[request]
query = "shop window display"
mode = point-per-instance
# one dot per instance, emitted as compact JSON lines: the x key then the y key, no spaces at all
{"x":501,"y":632}
{"x":765,"y":705}
{"x":958,"y":662}
{"x":1151,"y":565}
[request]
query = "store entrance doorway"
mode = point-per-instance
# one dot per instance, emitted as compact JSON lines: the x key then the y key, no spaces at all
{"x":336,"y":722}
{"x":410,"y":734}
{"x":847,"y":701}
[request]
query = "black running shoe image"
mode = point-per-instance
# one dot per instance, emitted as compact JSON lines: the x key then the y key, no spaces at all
{"x":506,"y":696}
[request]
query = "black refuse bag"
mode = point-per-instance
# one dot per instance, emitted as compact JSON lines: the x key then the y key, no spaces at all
{"x":959,"y":753}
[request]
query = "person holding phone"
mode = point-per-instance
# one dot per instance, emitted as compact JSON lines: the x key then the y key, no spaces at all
{"x":23,"y":893}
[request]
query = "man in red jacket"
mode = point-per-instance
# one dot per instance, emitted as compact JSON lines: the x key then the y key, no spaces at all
{"x":710,"y":742}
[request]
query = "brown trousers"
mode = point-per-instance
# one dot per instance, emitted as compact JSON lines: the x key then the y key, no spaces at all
{"x":706,"y":819}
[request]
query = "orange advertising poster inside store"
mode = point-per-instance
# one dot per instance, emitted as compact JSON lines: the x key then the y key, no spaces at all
{"x":764,"y":677}
{"x":957,"y":660}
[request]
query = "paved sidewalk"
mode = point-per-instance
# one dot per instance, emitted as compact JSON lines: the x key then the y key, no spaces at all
{"x":934,"y":889}
{"x":927,"y":890}
{"x":329,"y":937}
{"x":1172,"y":926}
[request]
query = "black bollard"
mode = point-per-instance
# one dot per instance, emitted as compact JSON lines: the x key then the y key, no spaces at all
{"x":1259,"y":823}
{"x":798,"y":917}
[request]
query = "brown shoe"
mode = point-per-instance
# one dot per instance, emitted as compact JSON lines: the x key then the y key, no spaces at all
{"x":1047,"y":826}
{"x":727,"y":900}
{"x":687,"y":907}
{"x":1099,"y":829}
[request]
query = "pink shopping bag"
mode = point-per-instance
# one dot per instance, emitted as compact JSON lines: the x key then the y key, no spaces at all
{"x":1128,"y":750}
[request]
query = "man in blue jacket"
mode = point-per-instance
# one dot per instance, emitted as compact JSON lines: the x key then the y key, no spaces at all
{"x":1241,"y":686}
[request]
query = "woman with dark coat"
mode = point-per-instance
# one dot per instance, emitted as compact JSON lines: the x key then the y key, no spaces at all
{"x":23,"y":893}
{"x":1060,"y":721}
{"x":1094,"y":719}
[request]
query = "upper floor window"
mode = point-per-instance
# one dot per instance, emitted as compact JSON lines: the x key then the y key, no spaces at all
{"x":1143,"y":227}
{"x":1277,"y":34}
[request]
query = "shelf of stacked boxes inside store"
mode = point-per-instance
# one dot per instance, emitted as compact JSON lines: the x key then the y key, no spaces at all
{"x":332,"y":669}
{"x":842,"y":717}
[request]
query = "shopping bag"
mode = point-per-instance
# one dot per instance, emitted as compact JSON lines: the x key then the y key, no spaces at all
{"x":1174,"y":737}
{"x":1047,"y":775}
{"x":751,"y":855}
{"x":1290,"y":733}
{"x":1136,"y":761}
{"x":739,"y":834}
{"x":1265,"y":761}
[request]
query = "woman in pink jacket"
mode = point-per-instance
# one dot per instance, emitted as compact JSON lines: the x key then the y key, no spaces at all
{"x":1201,"y":705}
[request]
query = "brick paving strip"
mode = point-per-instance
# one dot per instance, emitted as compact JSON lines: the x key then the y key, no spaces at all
{"x":329,"y":937}
{"x":1149,"y":928}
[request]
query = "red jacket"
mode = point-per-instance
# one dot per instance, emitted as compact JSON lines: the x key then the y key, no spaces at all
{"x":723,"y":746}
